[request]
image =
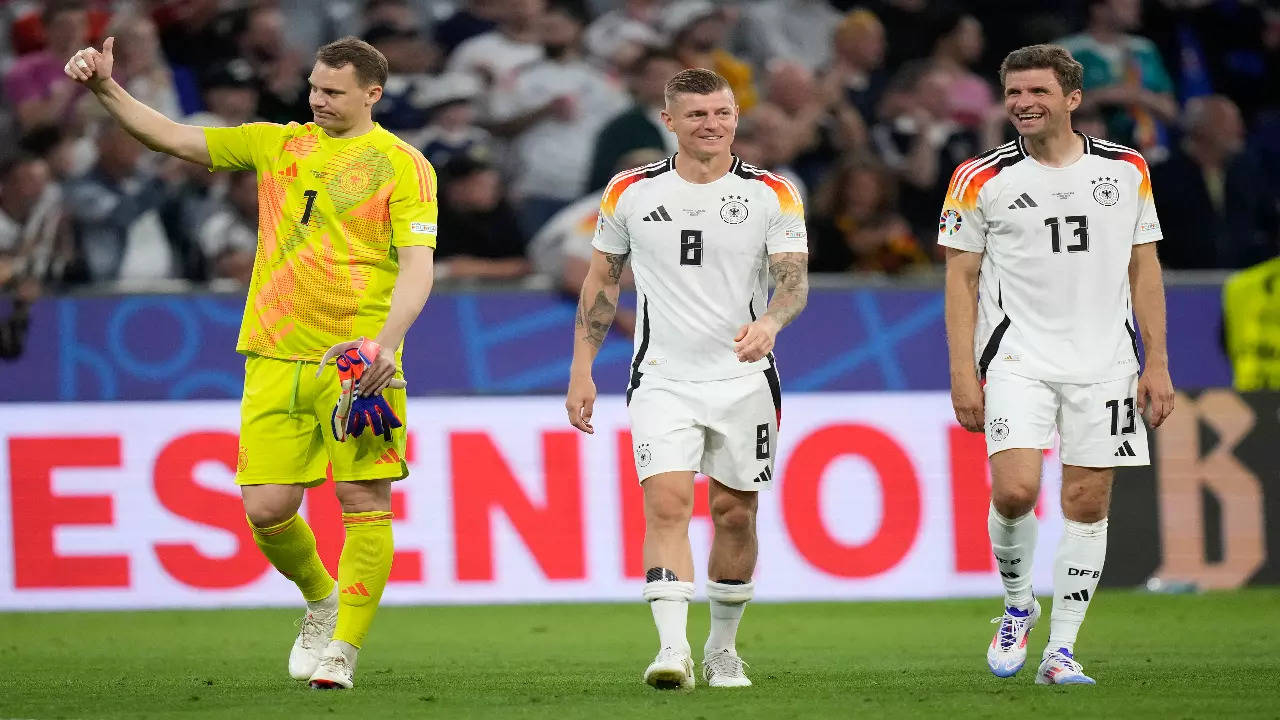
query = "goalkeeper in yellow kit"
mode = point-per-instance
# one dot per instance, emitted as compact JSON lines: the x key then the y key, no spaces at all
{"x":346,"y":233}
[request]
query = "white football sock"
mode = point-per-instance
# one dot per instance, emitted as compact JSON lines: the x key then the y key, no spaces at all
{"x":1014,"y":544}
{"x":669,"y":601}
{"x":1076,"y":571}
{"x":728,"y":600}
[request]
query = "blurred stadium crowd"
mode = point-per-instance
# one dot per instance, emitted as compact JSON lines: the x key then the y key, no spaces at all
{"x":526,"y":107}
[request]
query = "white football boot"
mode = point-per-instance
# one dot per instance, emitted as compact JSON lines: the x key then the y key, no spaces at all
{"x":337,"y":668}
{"x":1008,"y":650}
{"x":313,"y":636}
{"x":723,"y":668}
{"x":672,"y":669}
{"x":1059,"y":667}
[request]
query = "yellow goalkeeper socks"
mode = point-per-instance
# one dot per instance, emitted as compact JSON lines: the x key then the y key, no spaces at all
{"x":291,"y":548}
{"x":363,"y":570}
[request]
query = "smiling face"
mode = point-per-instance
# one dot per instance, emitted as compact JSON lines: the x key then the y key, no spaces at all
{"x":337,"y":100}
{"x":704,"y":124}
{"x":1036,"y":104}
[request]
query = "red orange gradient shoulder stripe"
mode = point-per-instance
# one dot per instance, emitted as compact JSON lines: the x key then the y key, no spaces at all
{"x":1116,"y":151}
{"x":788,"y":197}
{"x":426,"y":193}
{"x":619,"y":183}
{"x":972,"y":174}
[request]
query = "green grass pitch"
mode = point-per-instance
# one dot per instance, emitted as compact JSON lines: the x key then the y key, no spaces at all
{"x":1181,"y":656}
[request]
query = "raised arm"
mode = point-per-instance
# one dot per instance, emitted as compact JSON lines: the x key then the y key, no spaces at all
{"x":92,"y":69}
{"x":1155,"y":387}
{"x":790,"y":271}
{"x":597,"y":305}
{"x":961,"y":297}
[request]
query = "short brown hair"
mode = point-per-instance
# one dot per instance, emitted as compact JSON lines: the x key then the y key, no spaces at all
{"x":699,"y":81}
{"x":1069,"y":72}
{"x":370,"y":64}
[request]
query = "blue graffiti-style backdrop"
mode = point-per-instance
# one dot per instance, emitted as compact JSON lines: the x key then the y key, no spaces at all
{"x":160,"y":347}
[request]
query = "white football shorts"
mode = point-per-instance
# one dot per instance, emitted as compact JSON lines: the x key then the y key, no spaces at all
{"x":727,"y":429}
{"x":1099,"y":423}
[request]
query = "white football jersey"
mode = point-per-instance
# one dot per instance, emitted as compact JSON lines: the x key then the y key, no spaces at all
{"x":699,"y":252}
{"x":1054,"y":299}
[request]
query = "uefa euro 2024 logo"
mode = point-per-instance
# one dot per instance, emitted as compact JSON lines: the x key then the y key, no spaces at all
{"x":950,"y":222}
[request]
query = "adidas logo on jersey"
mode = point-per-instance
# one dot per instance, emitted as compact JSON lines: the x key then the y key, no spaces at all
{"x":1125,"y":450}
{"x":1023,"y":201}
{"x":658,"y":215}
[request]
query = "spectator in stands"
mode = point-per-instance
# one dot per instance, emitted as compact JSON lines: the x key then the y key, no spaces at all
{"x":970,"y":96}
{"x":1124,"y":76}
{"x":230,"y":95}
{"x":619,"y":37}
{"x":767,"y":139}
{"x":641,"y":125}
{"x":472,"y":18}
{"x":280,"y":70}
{"x":35,"y":235}
{"x":141,"y":68}
{"x":196,"y":33}
{"x":497,"y":56}
{"x":228,"y":237}
{"x":856,"y":226}
{"x":858,"y":44}
{"x":795,"y":30}
{"x":35,"y":85}
{"x":450,"y":102}
{"x":115,"y":208}
{"x":411,"y":58}
{"x":479,"y":235}
{"x":820,"y":123}
{"x":919,"y":142}
{"x":555,"y":111}
{"x":1217,"y":209}
{"x":698,"y":32}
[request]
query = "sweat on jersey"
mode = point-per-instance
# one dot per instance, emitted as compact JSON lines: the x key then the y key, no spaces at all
{"x":699,"y":252}
{"x":1054,"y":300}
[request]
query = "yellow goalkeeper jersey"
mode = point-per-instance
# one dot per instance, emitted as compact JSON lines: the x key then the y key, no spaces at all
{"x":331,"y":213}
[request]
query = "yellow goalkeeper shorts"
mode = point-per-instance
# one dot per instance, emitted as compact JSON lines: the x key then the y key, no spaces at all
{"x":286,"y":436}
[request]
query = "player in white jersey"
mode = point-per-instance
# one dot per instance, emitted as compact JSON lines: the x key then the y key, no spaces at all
{"x":1050,"y":250}
{"x":703,"y":231}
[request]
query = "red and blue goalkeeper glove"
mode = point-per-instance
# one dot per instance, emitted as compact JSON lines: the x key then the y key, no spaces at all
{"x":354,"y":412}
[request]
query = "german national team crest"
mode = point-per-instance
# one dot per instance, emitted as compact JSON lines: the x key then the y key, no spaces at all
{"x":734,"y":209}
{"x":643,"y":456}
{"x":999,"y":429}
{"x":950,"y":222}
{"x":1105,"y":191}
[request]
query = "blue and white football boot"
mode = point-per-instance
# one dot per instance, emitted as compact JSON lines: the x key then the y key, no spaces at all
{"x":1008,"y":651}
{"x":1059,"y":667}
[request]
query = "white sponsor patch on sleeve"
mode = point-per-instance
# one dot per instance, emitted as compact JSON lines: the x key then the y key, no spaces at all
{"x":421,"y":228}
{"x":1147,"y":227}
{"x":795,"y":234}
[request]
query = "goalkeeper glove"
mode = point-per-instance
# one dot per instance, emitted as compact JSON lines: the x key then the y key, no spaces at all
{"x":353,"y":413}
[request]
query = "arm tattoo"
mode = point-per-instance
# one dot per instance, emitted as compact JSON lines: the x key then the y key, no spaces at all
{"x":616,"y":264}
{"x":790,"y":273}
{"x":595,"y":321}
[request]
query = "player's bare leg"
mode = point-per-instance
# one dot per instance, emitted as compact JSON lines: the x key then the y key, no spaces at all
{"x":729,"y":587}
{"x":1086,"y":500}
{"x":1012,"y":525}
{"x":289,"y":544}
{"x":363,"y":570}
{"x":668,"y":505}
